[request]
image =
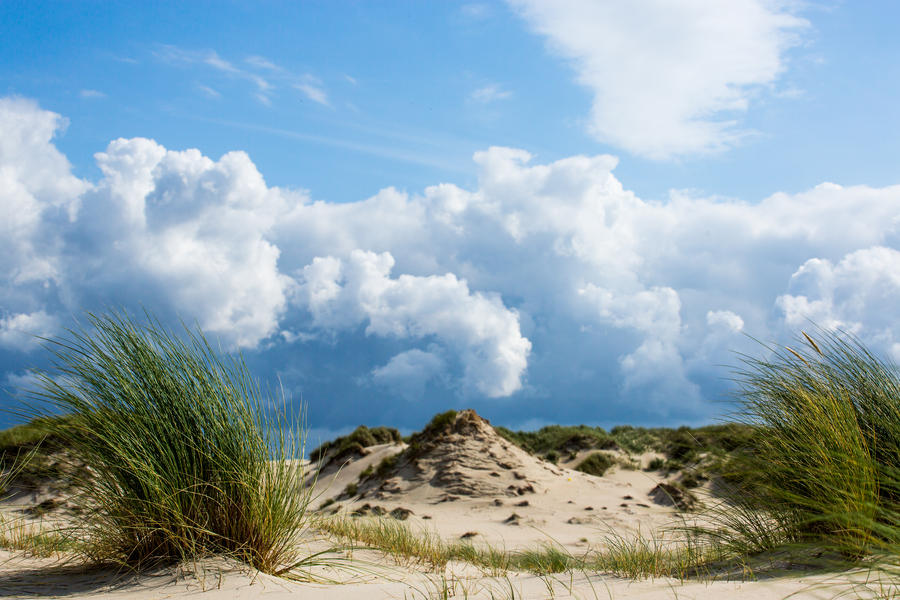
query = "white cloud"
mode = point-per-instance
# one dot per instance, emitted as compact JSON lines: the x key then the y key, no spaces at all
{"x":210,"y":92}
{"x":409,"y":372}
{"x":858,"y":294}
{"x":484,"y":334}
{"x":23,"y":331}
{"x":312,"y":89}
{"x":37,"y":191}
{"x":194,"y":230}
{"x":91,"y":94}
{"x":725,"y":319}
{"x":669,"y":78}
{"x":490,"y":93}
{"x":543,"y":280}
{"x":265,"y":75}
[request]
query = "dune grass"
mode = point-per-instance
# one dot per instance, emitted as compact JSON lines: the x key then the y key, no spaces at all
{"x":633,"y":556}
{"x":827,"y":464}
{"x":187,"y":456}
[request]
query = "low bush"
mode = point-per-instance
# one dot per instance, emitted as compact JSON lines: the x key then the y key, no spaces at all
{"x":597,"y":464}
{"x":362,"y":437}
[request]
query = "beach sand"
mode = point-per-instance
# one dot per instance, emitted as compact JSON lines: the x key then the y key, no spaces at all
{"x":464,"y":482}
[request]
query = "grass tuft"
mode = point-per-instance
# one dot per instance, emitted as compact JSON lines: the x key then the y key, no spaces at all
{"x":180,"y":443}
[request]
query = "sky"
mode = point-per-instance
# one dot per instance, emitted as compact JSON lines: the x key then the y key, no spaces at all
{"x":551,"y":211}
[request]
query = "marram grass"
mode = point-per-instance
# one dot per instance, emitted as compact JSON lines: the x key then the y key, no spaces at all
{"x":825,"y":467}
{"x":187,"y":456}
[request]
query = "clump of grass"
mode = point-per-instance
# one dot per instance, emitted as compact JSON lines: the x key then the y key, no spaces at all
{"x":392,"y":537}
{"x":33,"y":539}
{"x":597,"y":464}
{"x":180,"y":443}
{"x":656,"y":464}
{"x":635,"y":556}
{"x":828,"y":454}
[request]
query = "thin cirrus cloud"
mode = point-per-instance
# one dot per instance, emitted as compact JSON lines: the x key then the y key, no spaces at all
{"x":669,"y":79}
{"x":543,"y":281}
{"x":265,"y":75}
{"x":490,"y":93}
{"x":89,"y":94}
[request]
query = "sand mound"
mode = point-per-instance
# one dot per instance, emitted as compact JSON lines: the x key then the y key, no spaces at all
{"x":458,"y":455}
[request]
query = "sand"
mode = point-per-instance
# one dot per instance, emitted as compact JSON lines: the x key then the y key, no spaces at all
{"x":464,"y":481}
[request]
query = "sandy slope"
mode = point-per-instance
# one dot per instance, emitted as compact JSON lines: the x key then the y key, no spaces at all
{"x":469,"y":480}
{"x":461,"y":479}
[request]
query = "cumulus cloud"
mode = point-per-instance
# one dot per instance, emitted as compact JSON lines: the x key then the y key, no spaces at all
{"x":858,"y":293}
{"x":542,"y":281}
{"x":38,"y":194}
{"x":483,"y":332}
{"x":409,"y":372}
{"x":23,"y":331}
{"x":669,"y":78}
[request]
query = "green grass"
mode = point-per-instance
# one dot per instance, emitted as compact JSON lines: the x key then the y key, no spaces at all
{"x":188,"y":456}
{"x":362,"y":437}
{"x":596,"y":464}
{"x":681,"y":555}
{"x":35,"y":539}
{"x":33,"y":454}
{"x":824,"y":472}
{"x":681,"y":445}
{"x":561,"y":439}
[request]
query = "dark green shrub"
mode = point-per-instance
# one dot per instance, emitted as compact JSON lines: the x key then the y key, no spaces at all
{"x":597,"y":464}
{"x":355,"y":443}
{"x":656,"y":464}
{"x":351,"y":490}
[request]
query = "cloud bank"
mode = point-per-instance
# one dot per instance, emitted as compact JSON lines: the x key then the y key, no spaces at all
{"x":548,"y":287}
{"x":669,"y":78}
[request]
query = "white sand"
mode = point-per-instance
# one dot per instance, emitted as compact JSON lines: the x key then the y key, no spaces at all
{"x":469,"y":482}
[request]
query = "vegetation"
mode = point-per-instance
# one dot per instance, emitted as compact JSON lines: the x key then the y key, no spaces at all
{"x":559,"y":439}
{"x":597,"y":464}
{"x":828,"y":462}
{"x":628,"y":556}
{"x":180,"y":443}
{"x":33,"y":454}
{"x":361,"y":438}
{"x":699,"y":453}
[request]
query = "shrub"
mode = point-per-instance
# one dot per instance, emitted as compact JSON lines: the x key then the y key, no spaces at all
{"x":362,"y":437}
{"x":561,"y":438}
{"x":386,"y":465}
{"x":179,"y":441}
{"x":656,"y":464}
{"x":597,"y":464}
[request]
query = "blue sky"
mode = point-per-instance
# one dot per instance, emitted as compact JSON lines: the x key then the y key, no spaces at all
{"x":550,"y":211}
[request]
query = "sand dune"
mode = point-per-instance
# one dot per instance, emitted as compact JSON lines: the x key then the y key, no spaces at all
{"x":459,"y":480}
